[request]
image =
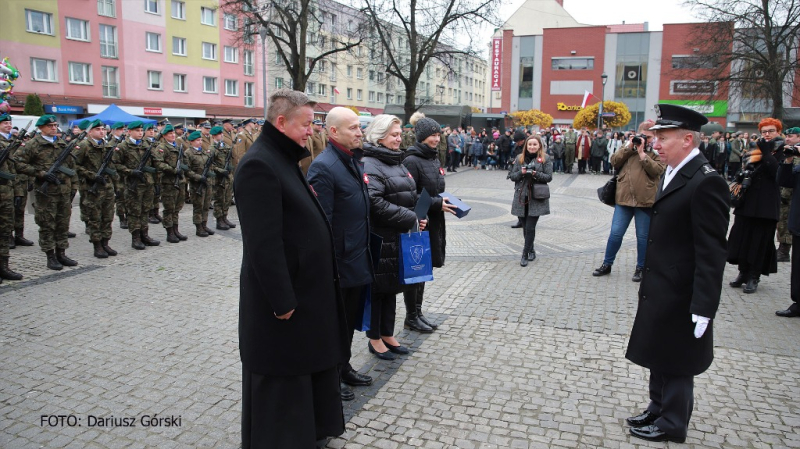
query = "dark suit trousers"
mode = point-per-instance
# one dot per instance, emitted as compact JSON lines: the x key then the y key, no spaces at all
{"x":672,"y":398}
{"x":354,"y":313}
{"x":384,"y":307}
{"x":795,"y":278}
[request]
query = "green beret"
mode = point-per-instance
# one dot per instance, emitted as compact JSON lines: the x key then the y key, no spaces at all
{"x":195,"y":135}
{"x":118,"y":125}
{"x":135,"y":124}
{"x":216,"y":130}
{"x":83,"y":125}
{"x":408,"y":125}
{"x":46,"y":120}
{"x":795,"y":130}
{"x":147,"y":126}
{"x":5,"y":118}
{"x":94,"y":124}
{"x":167,"y":129}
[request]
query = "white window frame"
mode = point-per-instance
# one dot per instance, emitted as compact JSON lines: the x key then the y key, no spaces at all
{"x":310,"y":88}
{"x":371,"y":96}
{"x":106,"y":45}
{"x":249,"y":95}
{"x":359,"y":94}
{"x":278,"y":83}
{"x":107,"y":86}
{"x":380,"y":97}
{"x":151,"y":4}
{"x":231,"y":22}
{"x":177,"y":80}
{"x":322,"y":90}
{"x":182,"y":44}
{"x":205,"y":12}
{"x":232,"y":92}
{"x":248,"y":61}
{"x":349,"y":71}
{"x":213,"y":47}
{"x":107,"y":8}
{"x":216,"y":86}
{"x":148,"y":44}
{"x":349,"y":93}
{"x":322,"y":64}
{"x":46,"y":23}
{"x":85,"y":31}
{"x":86,"y":71}
{"x":359,"y":73}
{"x":333,"y":71}
{"x":50,"y":68}
{"x":178,"y":6}
{"x":158,"y":76}
{"x":232,"y":51}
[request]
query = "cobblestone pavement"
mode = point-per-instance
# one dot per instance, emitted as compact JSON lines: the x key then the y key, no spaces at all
{"x":524,"y":357}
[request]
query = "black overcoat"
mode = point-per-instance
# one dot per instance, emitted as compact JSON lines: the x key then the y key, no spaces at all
{"x":684,"y":265}
{"x":423,"y":163}
{"x":287,"y":263}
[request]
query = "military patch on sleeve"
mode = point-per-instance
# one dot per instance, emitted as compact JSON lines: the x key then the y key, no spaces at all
{"x":708,"y":169}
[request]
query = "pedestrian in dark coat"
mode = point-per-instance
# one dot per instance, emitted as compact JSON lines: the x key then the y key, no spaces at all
{"x":531,"y":167}
{"x":292,"y":330}
{"x":421,"y":162}
{"x":392,"y":195}
{"x":789,"y":177}
{"x":672,"y":334}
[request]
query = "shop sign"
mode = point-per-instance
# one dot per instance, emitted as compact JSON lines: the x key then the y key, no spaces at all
{"x":62,"y":109}
{"x":717,"y":108}
{"x":564,"y":107}
{"x":497,"y":60}
{"x":152,"y":111}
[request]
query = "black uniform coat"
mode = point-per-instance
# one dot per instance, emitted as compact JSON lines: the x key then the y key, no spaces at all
{"x":287,"y":263}
{"x":422,"y":163}
{"x":685,"y":260}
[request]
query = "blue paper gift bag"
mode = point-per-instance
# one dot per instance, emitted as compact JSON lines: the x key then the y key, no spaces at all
{"x":415,"y":258}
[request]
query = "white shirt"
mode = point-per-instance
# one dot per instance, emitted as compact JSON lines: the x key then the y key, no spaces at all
{"x":671,"y":172}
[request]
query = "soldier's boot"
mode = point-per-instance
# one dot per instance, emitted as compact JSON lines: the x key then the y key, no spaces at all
{"x":123,"y":221}
{"x":221,"y":225}
{"x":208,"y":230}
{"x":71,"y":235}
{"x":52,"y":260}
{"x":228,"y":222}
{"x":104,"y":243}
{"x":61,"y":255}
{"x":147,"y":240}
{"x":99,"y":252}
{"x":178,"y":233}
{"x":152,"y":218}
{"x":783,"y":252}
{"x":136,"y":240}
{"x":171,"y":237}
{"x":11,"y":244}
{"x":19,"y":238}
{"x":201,"y":231}
{"x":5,"y":272}
{"x":156,"y":215}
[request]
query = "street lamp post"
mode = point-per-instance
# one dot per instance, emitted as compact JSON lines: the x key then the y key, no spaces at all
{"x":603,"y":77}
{"x":263,"y":33}
{"x":441,"y":93}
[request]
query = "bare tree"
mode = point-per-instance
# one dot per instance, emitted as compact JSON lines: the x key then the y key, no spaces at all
{"x":750,"y":46}
{"x":413,"y":33}
{"x":288,"y":25}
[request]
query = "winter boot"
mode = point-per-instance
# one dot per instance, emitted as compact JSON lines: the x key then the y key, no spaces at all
{"x":412,"y":320}
{"x":201,"y":231}
{"x":61,"y":255}
{"x":178,"y":233}
{"x":99,"y":252}
{"x":104,"y":243}
{"x":419,"y":311}
{"x":171,"y":237}
{"x":208,"y":230}
{"x":752,"y":284}
{"x":147,"y":240}
{"x":52,"y":261}
{"x":157,"y":216}
{"x":228,"y":222}
{"x":740,"y":279}
{"x":783,"y":252}
{"x":222,"y":225}
{"x":123,"y":221}
{"x":5,"y":272}
{"x":136,"y":240}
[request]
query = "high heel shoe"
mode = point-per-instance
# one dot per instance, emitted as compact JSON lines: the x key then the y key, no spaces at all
{"x":402,"y":350}
{"x":381,"y":355}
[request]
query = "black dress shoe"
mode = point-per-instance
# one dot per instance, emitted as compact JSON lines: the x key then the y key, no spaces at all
{"x":381,"y":355}
{"x":740,"y":279}
{"x":791,"y":312}
{"x":751,"y":286}
{"x":653,"y":433}
{"x":645,"y":419}
{"x":346,"y":393}
{"x":532,"y":255}
{"x":637,"y":275}
{"x":602,"y":271}
{"x":402,"y":350}
{"x":356,"y":379}
{"x":517,"y":226}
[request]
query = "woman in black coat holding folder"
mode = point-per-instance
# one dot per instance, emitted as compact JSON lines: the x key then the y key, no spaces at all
{"x":530,"y":168}
{"x":423,"y":163}
{"x":392,"y":196}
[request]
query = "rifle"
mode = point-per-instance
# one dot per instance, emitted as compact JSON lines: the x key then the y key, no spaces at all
{"x":179,"y":167}
{"x":12,"y":146}
{"x":202,"y":187}
{"x":133,"y":182}
{"x":227,"y":167}
{"x":103,"y":169}
{"x":57,"y":165}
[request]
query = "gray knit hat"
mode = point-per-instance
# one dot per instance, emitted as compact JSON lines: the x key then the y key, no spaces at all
{"x":425,"y":128}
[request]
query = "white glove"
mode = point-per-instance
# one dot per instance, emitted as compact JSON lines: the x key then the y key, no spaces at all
{"x":702,"y":324}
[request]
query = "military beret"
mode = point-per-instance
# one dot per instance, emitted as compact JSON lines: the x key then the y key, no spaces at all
{"x":147,"y":126}
{"x":167,"y":129}
{"x":216,"y":130}
{"x":205,"y":125}
{"x":228,"y":120}
{"x":5,"y":118}
{"x":178,"y":126}
{"x":118,"y":125}
{"x":795,"y":130}
{"x":83,"y":125}
{"x":46,"y":120}
{"x":135,"y":124}
{"x":246,"y":121}
{"x":95,"y":124}
{"x":195,"y":135}
{"x":408,"y":125}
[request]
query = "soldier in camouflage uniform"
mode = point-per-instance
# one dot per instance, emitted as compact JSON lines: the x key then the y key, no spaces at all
{"x":571,"y":144}
{"x":228,"y":132}
{"x":116,"y":137}
{"x":153,"y":217}
{"x":784,"y":236}
{"x":166,"y":158}
{"x":244,"y":140}
{"x":81,"y":127}
{"x":223,"y":189}
{"x":97,"y":190}
{"x":205,"y":131}
{"x":7,"y":179}
{"x":139,"y":199}
{"x":408,"y":137}
{"x":54,"y":207}
{"x":19,"y":185}
{"x":201,"y":188}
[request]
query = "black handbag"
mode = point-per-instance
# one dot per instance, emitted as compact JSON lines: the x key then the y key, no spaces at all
{"x":608,"y":193}
{"x":541,"y":191}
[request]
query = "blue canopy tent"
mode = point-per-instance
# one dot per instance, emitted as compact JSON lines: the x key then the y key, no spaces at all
{"x":111,"y":115}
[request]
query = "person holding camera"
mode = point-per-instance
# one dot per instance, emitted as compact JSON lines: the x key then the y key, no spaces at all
{"x":531,"y":169}
{"x":639,"y":168}
{"x":789,"y":176}
{"x":751,"y":242}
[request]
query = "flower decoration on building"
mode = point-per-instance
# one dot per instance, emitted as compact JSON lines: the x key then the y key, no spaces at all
{"x":587,"y":117}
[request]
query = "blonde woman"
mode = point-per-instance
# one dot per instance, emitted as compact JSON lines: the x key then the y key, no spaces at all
{"x":533,"y":166}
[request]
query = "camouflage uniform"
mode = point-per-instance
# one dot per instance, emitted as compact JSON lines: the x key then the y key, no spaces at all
{"x":223,"y":190}
{"x":120,"y":181}
{"x":97,"y":199}
{"x":408,"y":139}
{"x":20,"y":193}
{"x":172,"y":196}
{"x":7,"y":180}
{"x":442,"y":150}
{"x":201,"y":200}
{"x":570,"y":142}
{"x":139,"y":201}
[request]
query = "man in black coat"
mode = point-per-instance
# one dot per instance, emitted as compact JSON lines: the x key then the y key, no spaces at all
{"x":337,"y":176}
{"x":292,"y":328}
{"x":789,"y":176}
{"x":679,"y":295}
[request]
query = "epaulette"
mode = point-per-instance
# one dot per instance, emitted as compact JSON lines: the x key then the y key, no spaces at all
{"x":708,"y":169}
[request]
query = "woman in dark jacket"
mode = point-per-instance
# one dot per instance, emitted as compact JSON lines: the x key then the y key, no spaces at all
{"x":751,"y":243}
{"x":421,"y":161}
{"x":392,"y":196}
{"x":531,"y":167}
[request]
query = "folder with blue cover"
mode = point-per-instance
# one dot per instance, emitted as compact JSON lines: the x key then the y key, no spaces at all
{"x":462,"y":209}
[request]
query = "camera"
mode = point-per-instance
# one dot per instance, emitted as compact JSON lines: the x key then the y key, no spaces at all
{"x":639,"y":139}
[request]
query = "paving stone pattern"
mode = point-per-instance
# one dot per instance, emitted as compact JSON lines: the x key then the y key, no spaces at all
{"x":524,"y":357}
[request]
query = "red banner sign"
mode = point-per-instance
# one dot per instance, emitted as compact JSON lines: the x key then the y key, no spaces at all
{"x":497,"y":60}
{"x":152,"y":111}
